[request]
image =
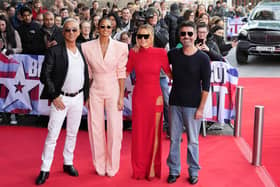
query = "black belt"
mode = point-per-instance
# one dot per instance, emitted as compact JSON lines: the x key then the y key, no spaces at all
{"x":71,"y":94}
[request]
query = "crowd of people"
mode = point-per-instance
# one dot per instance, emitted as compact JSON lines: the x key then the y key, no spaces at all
{"x":29,"y":27}
{"x":40,"y":26}
{"x":89,"y":51}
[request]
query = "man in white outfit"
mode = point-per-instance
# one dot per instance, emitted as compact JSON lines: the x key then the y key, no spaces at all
{"x":66,"y":83}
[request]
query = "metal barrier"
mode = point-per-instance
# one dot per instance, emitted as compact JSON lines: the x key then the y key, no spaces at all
{"x":204,"y":128}
{"x":238,"y":110}
{"x":258,"y":135}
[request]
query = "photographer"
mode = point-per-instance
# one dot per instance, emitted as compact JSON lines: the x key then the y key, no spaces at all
{"x":205,"y":43}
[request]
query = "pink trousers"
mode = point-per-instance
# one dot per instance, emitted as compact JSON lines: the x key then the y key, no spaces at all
{"x":105,"y":147}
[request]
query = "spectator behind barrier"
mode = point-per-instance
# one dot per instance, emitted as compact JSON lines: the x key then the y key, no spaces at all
{"x":218,"y":10}
{"x":161,"y":33}
{"x":52,"y":34}
{"x":84,"y":36}
{"x":218,"y":37}
{"x":205,"y":43}
{"x":30,"y":34}
{"x":171,"y":20}
{"x":37,"y":8}
{"x":10,"y":42}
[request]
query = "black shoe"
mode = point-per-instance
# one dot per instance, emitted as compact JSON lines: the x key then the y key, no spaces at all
{"x":43,"y":176}
{"x":70,"y":170}
{"x":193,"y":179}
{"x":167,"y":136}
{"x":172,"y":178}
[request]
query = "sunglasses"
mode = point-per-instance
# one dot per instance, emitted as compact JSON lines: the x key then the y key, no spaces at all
{"x":190,"y":34}
{"x":103,"y":27}
{"x":69,"y":30}
{"x":145,"y":36}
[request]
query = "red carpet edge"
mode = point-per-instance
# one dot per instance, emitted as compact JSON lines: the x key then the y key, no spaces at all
{"x":260,"y":170}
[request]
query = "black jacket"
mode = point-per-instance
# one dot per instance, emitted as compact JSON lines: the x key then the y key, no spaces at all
{"x":31,"y":39}
{"x":224,"y":48}
{"x":56,"y":35}
{"x":214,"y":51}
{"x":171,"y":21}
{"x":54,"y":70}
{"x":81,"y":39}
{"x":161,"y":35}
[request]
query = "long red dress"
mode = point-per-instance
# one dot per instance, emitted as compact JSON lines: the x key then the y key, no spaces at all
{"x":146,"y":134}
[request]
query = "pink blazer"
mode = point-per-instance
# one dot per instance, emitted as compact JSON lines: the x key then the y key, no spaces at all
{"x":107,"y":70}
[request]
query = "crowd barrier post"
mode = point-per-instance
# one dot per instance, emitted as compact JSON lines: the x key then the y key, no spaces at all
{"x":225,"y":29}
{"x":258,"y":135}
{"x":204,"y":128}
{"x":238,"y":109}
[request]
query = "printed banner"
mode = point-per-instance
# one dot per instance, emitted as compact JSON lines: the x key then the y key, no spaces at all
{"x":220,"y":104}
{"x":233,"y":26}
{"x":21,"y":89}
{"x":19,"y":83}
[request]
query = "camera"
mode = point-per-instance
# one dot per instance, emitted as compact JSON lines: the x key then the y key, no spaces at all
{"x":200,"y":41}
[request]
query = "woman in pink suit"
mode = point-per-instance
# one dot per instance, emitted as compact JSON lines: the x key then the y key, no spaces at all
{"x":106,"y":60}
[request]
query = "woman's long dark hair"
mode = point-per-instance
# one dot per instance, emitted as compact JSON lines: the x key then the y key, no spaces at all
{"x":117,"y":18}
{"x":10,"y":32}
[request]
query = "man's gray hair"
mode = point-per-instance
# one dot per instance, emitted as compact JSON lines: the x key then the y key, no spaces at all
{"x":70,"y":20}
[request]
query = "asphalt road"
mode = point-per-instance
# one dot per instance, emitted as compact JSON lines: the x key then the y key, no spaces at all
{"x":258,"y":66}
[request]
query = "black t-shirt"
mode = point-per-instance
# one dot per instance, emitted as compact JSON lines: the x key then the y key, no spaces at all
{"x":191,"y":75}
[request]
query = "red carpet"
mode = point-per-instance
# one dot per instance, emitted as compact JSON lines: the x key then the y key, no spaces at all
{"x":263,"y":91}
{"x":223,"y":165}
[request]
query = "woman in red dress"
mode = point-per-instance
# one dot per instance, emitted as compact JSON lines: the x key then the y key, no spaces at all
{"x":147,"y":104}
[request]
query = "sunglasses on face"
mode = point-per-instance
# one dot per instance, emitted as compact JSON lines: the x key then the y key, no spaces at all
{"x":71,"y":30}
{"x":145,"y":36}
{"x":190,"y":34}
{"x":103,"y":27}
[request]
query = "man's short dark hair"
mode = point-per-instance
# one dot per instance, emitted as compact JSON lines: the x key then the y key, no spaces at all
{"x":64,"y":8}
{"x":187,"y":24}
{"x":9,"y":7}
{"x":202,"y":25}
{"x":25,"y":9}
{"x":125,"y":8}
{"x":130,"y":3}
{"x":95,"y":1}
{"x":215,"y":28}
{"x":81,"y":5}
{"x":85,"y":8}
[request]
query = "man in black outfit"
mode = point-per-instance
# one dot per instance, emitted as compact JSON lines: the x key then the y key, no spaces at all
{"x":191,"y":82}
{"x":52,"y":34}
{"x":30,"y":34}
{"x":171,"y":21}
{"x":66,"y":83}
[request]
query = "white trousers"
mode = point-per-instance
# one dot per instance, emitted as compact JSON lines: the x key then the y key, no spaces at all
{"x":73,"y":111}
